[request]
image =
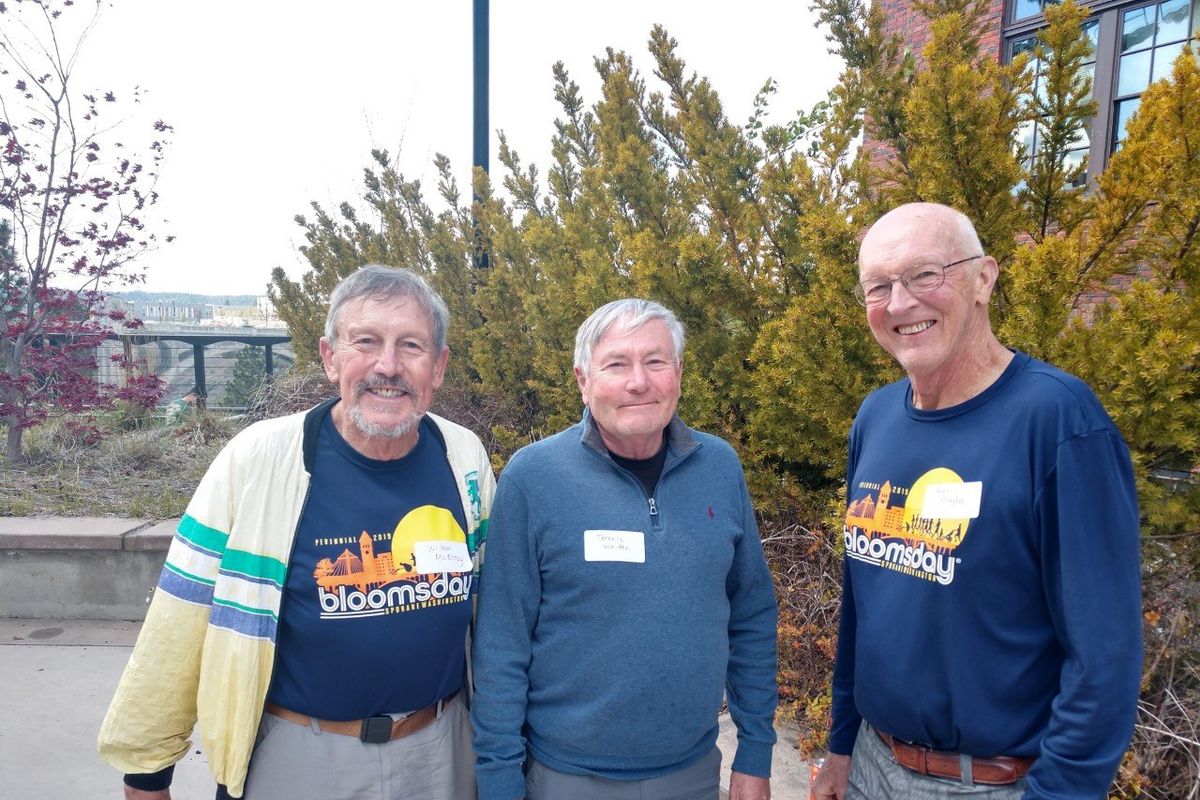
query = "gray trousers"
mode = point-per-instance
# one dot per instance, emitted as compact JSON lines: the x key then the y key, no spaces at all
{"x":875,"y":775}
{"x":293,"y":762}
{"x":700,"y":781}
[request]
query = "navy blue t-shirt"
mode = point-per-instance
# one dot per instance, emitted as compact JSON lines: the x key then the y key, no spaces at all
{"x":361,"y":632}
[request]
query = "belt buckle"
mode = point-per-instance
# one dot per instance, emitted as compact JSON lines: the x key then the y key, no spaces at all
{"x":376,"y":729}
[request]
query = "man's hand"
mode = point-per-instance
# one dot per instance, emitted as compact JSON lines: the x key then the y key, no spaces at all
{"x":748,"y":787}
{"x":138,"y":794}
{"x":832,"y":780}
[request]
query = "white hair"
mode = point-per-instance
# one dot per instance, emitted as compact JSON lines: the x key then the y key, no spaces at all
{"x":631,"y":313}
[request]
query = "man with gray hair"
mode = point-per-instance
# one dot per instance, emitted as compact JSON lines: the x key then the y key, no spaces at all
{"x":313,"y":611}
{"x":625,"y":589}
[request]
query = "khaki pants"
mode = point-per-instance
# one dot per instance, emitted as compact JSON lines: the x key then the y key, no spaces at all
{"x":292,"y":762}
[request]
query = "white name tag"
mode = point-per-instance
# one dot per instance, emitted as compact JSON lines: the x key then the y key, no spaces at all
{"x":952,"y":500}
{"x":434,"y":557}
{"x":629,"y":546}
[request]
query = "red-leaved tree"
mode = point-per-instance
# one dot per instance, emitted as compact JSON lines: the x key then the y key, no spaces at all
{"x":73,"y":198}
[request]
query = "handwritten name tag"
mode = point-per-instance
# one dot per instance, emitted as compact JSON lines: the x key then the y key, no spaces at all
{"x":433,"y":557}
{"x":952,"y":500}
{"x":628,"y":546}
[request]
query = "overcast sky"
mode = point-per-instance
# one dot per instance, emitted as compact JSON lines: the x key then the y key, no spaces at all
{"x":277,"y":104}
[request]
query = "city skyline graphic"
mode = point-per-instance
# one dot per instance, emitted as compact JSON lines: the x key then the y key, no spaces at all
{"x":876,"y":516}
{"x":367,"y":583}
{"x":364,"y":570}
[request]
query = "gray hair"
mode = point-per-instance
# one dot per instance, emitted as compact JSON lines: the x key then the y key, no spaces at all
{"x":632,"y":313}
{"x":378,"y":281}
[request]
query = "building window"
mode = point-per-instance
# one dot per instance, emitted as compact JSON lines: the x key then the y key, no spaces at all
{"x":1151,"y":37}
{"x":1133,"y":45}
{"x":1029,"y":130}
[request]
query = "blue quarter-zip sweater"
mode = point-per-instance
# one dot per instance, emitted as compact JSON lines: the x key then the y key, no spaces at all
{"x":616,"y":668}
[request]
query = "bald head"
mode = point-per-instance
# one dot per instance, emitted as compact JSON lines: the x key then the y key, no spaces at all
{"x":926,"y":284}
{"x":923,"y":224}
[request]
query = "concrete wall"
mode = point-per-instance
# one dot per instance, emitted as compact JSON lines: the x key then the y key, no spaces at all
{"x":77,"y":584}
{"x":80,"y":567}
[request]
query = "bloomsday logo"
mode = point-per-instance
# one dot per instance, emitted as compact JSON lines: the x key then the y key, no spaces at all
{"x":427,"y":566}
{"x":918,"y":538}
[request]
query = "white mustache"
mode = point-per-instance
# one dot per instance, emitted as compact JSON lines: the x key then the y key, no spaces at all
{"x":388,"y":383}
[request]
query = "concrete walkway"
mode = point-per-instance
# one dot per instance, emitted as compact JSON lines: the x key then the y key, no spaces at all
{"x":59,"y":671}
{"x":59,"y":676}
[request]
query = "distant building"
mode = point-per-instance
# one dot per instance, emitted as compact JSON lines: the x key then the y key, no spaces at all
{"x":260,"y":314}
{"x":162,"y":310}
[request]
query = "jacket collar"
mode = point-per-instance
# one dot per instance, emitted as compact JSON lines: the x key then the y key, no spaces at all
{"x":312,"y":426}
{"x":681,"y":440}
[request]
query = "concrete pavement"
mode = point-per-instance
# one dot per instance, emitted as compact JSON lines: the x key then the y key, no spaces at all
{"x":59,"y":676}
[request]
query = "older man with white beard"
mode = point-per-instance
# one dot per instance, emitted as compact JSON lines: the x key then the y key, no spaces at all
{"x":313,"y":611}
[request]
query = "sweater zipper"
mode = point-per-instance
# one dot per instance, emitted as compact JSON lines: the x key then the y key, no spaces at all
{"x":651,"y":502}
{"x":655,"y":520}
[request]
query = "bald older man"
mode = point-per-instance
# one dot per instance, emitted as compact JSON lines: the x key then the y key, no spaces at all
{"x":990,"y":641}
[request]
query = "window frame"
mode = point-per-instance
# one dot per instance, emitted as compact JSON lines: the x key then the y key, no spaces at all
{"x":1107,"y":51}
{"x":1108,"y":14}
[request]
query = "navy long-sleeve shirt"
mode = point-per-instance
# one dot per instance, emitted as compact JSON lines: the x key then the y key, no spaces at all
{"x":992,"y":600}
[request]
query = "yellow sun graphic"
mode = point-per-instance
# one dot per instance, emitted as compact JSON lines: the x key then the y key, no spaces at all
{"x":935,"y":532}
{"x":422,"y":524}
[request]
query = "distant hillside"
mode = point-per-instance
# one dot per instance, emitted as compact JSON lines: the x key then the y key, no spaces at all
{"x":187,"y":297}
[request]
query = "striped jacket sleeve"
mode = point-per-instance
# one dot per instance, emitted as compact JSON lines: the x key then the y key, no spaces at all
{"x":152,"y":714}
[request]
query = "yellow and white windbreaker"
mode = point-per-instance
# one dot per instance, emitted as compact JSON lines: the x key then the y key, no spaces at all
{"x":206,"y":651}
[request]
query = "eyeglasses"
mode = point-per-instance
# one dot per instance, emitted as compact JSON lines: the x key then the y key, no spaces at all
{"x":920,"y":279}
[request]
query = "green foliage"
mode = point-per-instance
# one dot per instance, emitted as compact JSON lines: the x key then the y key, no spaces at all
{"x":400,"y":229}
{"x":249,"y":373}
{"x":1140,"y":353}
{"x":1061,"y":113}
{"x":1135,"y":252}
{"x":749,"y":232}
{"x":962,"y":112}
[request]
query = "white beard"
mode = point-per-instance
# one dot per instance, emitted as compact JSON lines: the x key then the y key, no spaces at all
{"x":373,"y":430}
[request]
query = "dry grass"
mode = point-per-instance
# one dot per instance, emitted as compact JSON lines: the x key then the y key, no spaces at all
{"x":807,"y":571}
{"x":150,"y":471}
{"x":137,"y":466}
{"x":301,"y":387}
{"x":1163,"y":763}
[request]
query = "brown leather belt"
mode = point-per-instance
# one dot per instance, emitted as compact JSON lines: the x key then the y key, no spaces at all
{"x":994,"y":771}
{"x":377,"y":729}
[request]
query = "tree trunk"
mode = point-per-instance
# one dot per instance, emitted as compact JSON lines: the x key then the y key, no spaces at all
{"x":13,"y":454}
{"x":11,"y":351}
